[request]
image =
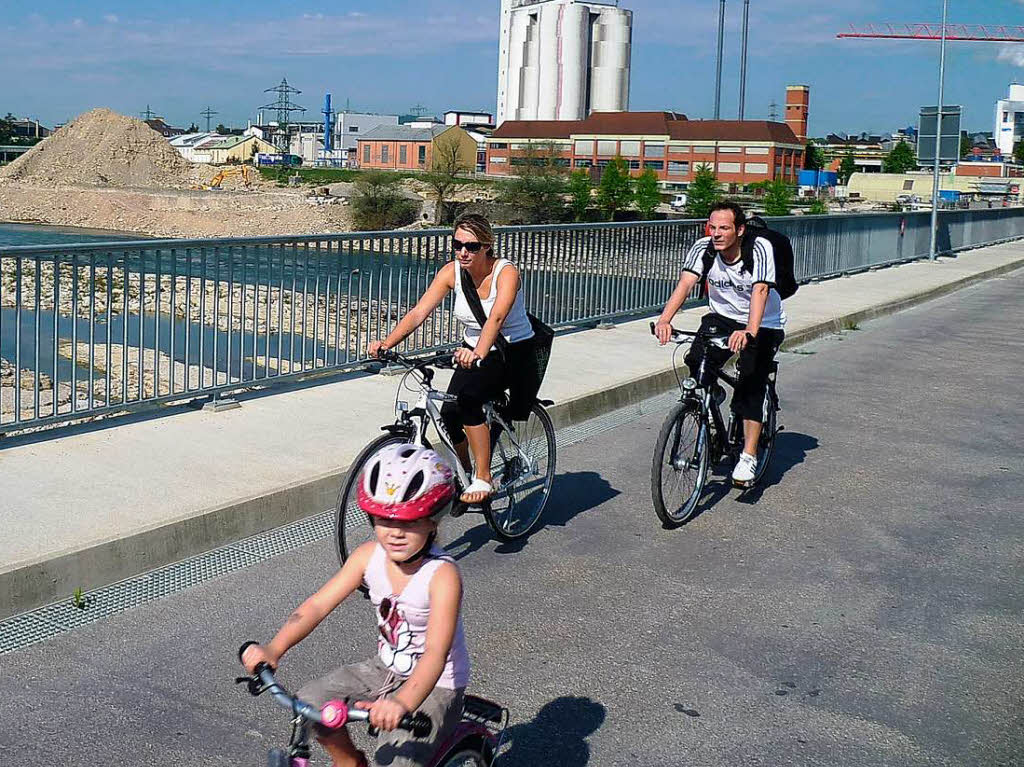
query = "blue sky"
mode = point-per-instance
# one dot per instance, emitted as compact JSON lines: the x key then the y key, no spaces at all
{"x":61,"y":58}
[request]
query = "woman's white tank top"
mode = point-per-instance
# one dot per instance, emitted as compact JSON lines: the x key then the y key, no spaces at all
{"x":517,"y":325}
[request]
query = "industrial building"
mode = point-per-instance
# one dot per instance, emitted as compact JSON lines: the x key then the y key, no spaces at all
{"x":739,"y":152}
{"x":887,"y":187}
{"x":239,"y":149}
{"x":1009,"y":124}
{"x":457,"y":117}
{"x":306,"y":138}
{"x":26,"y":127}
{"x":562,"y":59}
{"x":195,"y":147}
{"x":400,"y":147}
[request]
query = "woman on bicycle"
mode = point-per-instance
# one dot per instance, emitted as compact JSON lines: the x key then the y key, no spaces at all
{"x":421,"y":664}
{"x":483,"y":371}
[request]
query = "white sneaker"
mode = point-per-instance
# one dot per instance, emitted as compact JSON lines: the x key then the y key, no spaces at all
{"x":746,"y":468}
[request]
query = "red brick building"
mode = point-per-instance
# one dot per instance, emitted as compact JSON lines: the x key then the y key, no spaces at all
{"x":739,"y":152}
{"x":399,"y":147}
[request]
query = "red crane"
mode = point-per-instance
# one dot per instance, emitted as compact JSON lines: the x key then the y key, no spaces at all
{"x":979,"y":33}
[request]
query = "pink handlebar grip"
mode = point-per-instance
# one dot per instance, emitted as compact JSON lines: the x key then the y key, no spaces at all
{"x":334,"y":714}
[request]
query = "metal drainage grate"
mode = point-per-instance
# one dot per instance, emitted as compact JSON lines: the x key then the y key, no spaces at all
{"x":47,"y":622}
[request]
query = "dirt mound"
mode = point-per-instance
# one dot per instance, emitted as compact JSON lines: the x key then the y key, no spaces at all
{"x":105,"y":148}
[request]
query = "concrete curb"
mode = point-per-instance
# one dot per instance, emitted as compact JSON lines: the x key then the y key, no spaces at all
{"x":31,"y":584}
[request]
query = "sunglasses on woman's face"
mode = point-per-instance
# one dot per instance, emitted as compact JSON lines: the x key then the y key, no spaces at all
{"x":472,"y":247}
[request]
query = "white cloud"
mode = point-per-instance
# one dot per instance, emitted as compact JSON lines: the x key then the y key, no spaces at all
{"x":1012,"y":53}
{"x":111,"y":18}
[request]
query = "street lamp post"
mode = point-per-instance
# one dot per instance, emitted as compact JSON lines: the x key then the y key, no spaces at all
{"x":938,"y":134}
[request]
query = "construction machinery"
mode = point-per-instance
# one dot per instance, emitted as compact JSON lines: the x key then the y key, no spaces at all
{"x":243,"y":172}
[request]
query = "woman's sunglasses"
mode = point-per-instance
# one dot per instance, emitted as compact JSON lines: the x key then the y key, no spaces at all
{"x":472,"y":247}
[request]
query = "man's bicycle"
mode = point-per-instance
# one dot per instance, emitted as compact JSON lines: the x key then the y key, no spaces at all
{"x":474,"y":743}
{"x":522,"y":457}
{"x":695,"y":436}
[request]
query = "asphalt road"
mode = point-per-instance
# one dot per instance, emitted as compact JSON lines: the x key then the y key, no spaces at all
{"x":866,"y":607}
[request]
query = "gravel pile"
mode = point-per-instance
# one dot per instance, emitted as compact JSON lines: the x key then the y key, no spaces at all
{"x":102,"y":147}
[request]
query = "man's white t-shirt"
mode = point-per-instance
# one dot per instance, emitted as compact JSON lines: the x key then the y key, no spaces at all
{"x":729,"y":285}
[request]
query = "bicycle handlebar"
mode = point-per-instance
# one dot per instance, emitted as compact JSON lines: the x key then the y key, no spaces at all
{"x":722,"y":342}
{"x":333,"y":714}
{"x":440,"y":360}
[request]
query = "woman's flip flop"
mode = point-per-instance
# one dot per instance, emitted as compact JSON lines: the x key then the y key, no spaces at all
{"x":475,"y":487}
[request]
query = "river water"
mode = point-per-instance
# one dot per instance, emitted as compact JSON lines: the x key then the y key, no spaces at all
{"x":33,"y":234}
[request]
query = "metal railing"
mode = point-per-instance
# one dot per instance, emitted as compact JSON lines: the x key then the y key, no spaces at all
{"x":111,"y":327}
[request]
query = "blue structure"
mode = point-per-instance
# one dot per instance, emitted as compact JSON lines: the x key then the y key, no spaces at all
{"x":328,"y":124}
{"x":817,"y":178}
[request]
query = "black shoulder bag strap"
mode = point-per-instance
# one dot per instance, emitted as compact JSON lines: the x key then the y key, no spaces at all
{"x":473,"y":299}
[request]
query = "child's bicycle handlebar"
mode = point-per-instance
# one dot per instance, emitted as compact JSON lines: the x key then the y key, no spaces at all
{"x":332,"y":715}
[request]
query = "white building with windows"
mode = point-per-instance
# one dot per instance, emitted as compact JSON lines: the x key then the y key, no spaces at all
{"x":562,"y":59}
{"x":349,"y":126}
{"x":1009,"y":128}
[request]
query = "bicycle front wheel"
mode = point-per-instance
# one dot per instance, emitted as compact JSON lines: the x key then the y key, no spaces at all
{"x":467,"y":757}
{"x":523,"y":470}
{"x":352,"y":526}
{"x":680,"y":465}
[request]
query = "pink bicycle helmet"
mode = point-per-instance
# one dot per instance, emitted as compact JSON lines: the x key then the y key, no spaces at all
{"x":406,"y":482}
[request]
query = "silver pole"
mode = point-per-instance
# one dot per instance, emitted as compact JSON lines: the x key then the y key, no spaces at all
{"x":718,"y":70}
{"x":938,"y":134}
{"x":743,"y":58}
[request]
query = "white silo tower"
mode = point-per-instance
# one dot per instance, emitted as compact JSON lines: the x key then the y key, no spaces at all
{"x":562,"y":59}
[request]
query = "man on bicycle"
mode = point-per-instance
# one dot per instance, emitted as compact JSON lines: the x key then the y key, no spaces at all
{"x":745,"y":307}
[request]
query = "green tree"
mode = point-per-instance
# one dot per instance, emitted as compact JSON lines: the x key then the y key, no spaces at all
{"x":817,"y":207}
{"x":379,"y":203}
{"x":847,"y":168}
{"x":7,"y":128}
{"x":579,"y":193}
{"x":615,"y":192}
{"x":778,"y":196}
{"x":703,"y":192}
{"x":446,"y":172}
{"x":539,"y":187}
{"x":966,"y":145}
{"x":647,"y":195}
{"x":540,"y":198}
{"x":814,"y":158}
{"x":1018,"y":153}
{"x":221,"y":129}
{"x":900,"y":159}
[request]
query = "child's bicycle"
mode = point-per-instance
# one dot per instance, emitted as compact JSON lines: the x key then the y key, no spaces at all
{"x":695,"y":436}
{"x":474,"y":743}
{"x":522,"y":457}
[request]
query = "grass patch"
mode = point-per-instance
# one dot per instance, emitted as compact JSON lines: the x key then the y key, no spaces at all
{"x":851,"y":325}
{"x":800,"y":351}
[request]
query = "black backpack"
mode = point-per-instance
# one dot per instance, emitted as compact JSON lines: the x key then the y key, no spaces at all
{"x":785,"y":278}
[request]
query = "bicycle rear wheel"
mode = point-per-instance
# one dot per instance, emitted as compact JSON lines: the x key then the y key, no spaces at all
{"x":523,"y":470}
{"x":680,"y":464}
{"x":352,"y":526}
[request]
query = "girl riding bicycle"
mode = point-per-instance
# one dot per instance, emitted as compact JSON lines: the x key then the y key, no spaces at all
{"x":484,"y":371}
{"x":421,"y":664}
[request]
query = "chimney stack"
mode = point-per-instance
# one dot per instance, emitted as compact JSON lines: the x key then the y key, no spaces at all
{"x":798,"y":99}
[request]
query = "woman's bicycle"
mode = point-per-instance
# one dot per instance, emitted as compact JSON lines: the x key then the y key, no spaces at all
{"x":695,"y":436}
{"x":522,"y":457}
{"x":474,"y":743}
